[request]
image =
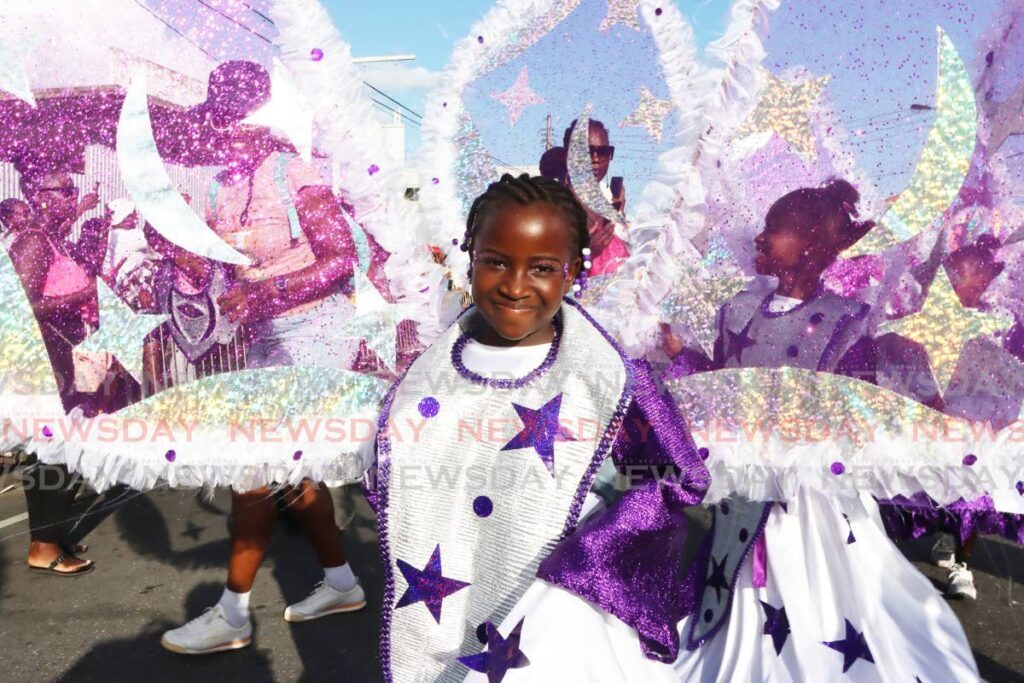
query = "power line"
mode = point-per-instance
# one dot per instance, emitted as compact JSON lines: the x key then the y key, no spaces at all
{"x":381,"y":92}
{"x":235,"y":21}
{"x":259,"y":13}
{"x":387,"y":108}
{"x":171,"y":26}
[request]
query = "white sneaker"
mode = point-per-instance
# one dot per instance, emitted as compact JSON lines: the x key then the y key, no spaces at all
{"x":943,"y":552}
{"x":325,"y":600}
{"x":209,"y":632}
{"x":961,"y":582}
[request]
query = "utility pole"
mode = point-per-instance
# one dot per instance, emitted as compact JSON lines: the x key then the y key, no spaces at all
{"x":547,"y":135}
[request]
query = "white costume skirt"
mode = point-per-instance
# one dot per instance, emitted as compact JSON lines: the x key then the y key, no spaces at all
{"x":825,"y":570}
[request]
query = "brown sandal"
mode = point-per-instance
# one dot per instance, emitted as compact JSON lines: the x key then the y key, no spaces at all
{"x":82,"y":569}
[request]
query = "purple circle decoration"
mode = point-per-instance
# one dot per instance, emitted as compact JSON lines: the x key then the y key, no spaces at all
{"x":374,"y":168}
{"x":47,"y":432}
{"x":480,"y":39}
{"x":657,"y":12}
{"x":703,"y":453}
{"x":1020,"y":487}
{"x":970,"y":459}
{"x":171,"y":456}
{"x":297,"y":455}
{"x":482,"y":506}
{"x":837,"y":468}
{"x":316,"y":54}
{"x":429,"y":407}
{"x":793,"y":351}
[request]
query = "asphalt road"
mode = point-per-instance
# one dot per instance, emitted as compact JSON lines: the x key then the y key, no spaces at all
{"x":161,"y":560}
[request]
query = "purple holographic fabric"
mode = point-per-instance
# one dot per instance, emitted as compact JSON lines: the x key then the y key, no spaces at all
{"x":628,"y":559}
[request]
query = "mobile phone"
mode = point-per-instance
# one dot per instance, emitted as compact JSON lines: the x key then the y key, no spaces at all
{"x":616,"y":188}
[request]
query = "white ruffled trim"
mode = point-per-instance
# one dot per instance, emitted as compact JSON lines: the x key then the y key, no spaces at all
{"x":789,"y":431}
{"x":443,"y":215}
{"x":710,"y":103}
{"x":347,"y":130}
{"x":666,"y":215}
{"x":892,"y":465}
{"x":202,"y":457}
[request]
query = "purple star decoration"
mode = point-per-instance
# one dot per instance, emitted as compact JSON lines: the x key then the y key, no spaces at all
{"x":776,"y":625}
{"x":502,"y":654}
{"x":540,"y":431}
{"x":739,"y":342}
{"x":851,"y":538}
{"x":429,"y":585}
{"x":717,"y":578}
{"x":853,"y":647}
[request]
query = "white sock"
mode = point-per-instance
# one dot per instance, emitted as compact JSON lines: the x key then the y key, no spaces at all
{"x":235,"y":606}
{"x":340,"y":578}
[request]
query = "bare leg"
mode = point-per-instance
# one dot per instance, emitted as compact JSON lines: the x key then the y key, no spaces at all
{"x":253,"y":516}
{"x":314,"y":510}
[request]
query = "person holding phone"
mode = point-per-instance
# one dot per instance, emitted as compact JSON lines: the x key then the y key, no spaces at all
{"x":610,"y":250}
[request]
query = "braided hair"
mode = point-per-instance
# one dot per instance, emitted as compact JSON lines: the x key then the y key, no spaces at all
{"x":525,"y":190}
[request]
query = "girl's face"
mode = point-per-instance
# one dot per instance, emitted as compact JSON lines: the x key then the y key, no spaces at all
{"x":780,"y":249}
{"x":524,"y":262}
{"x":795,"y":245}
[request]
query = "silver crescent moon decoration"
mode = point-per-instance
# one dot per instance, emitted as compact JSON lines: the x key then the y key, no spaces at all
{"x":581,"y":174}
{"x":150,"y":187}
{"x":944,"y":162}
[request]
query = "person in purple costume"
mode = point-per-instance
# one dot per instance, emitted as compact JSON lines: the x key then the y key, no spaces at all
{"x":987,"y":386}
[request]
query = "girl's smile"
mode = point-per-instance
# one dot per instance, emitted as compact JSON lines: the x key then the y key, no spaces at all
{"x":520,"y":272}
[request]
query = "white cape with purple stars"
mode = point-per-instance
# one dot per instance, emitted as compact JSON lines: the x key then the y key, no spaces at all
{"x":478,"y":481}
{"x":835,"y":606}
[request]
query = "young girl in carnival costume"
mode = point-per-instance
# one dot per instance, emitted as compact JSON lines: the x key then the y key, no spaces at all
{"x":808,"y":588}
{"x":515,"y":407}
{"x":987,"y":386}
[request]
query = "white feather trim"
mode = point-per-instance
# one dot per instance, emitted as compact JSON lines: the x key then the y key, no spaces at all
{"x":347,"y":130}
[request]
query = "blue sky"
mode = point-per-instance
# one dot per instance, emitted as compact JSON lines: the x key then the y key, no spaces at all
{"x":430,"y":30}
{"x":879,"y":53}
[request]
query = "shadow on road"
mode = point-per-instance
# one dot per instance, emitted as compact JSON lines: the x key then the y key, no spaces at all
{"x":991,"y":670}
{"x":341,"y":647}
{"x":130,"y":657}
{"x":344,"y":647}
